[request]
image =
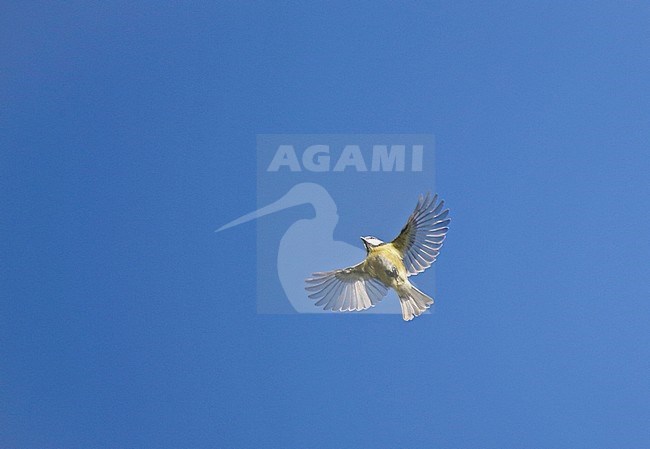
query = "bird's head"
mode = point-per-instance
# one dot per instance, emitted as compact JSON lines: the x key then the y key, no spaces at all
{"x":371,"y":242}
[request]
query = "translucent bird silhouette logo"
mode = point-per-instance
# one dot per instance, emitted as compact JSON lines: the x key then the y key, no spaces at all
{"x":308,"y":246}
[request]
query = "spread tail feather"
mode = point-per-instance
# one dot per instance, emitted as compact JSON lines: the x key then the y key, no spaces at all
{"x":413,"y":303}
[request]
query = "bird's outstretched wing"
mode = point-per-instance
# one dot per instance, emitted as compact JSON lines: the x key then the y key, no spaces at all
{"x":422,"y":236}
{"x":346,"y":289}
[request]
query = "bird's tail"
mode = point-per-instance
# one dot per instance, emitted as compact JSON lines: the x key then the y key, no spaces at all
{"x":413,"y":302}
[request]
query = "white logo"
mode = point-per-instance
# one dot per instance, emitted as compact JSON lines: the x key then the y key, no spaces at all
{"x":319,"y":158}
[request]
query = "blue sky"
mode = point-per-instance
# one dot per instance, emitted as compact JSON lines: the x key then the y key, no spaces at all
{"x":127,"y":135}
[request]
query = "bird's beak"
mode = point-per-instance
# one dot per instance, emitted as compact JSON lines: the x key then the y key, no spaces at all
{"x":283,"y":203}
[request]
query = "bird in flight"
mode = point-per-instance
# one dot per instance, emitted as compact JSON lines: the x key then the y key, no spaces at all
{"x":387,"y":265}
